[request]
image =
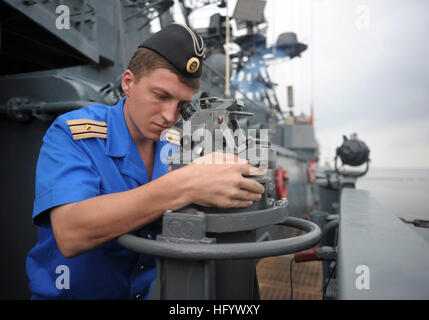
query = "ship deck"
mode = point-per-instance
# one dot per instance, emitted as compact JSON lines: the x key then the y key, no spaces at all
{"x":274,"y":279}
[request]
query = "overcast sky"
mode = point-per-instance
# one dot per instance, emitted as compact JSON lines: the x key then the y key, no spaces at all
{"x":366,"y":71}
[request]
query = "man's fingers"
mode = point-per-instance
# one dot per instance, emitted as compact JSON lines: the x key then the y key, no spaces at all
{"x":248,"y":196}
{"x":239,"y":204}
{"x":245,"y":169}
{"x":252,"y":185}
{"x":249,"y":170}
{"x":220,"y":158}
{"x":258,"y":172}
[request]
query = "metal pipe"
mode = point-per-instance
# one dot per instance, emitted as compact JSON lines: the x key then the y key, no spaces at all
{"x":47,"y":107}
{"x":326,"y":229}
{"x":229,"y":250}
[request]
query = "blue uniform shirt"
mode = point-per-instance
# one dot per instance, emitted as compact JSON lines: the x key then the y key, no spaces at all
{"x":74,"y":170}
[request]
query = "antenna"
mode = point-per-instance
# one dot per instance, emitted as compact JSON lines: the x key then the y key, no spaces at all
{"x":290,"y":96}
{"x":227,"y":84}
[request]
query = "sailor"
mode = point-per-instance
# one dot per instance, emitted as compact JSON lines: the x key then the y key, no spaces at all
{"x":99,"y":175}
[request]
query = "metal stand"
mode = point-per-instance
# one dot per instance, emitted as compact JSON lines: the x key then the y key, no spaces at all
{"x":212,"y":256}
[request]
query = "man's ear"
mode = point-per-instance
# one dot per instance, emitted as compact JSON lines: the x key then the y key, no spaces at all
{"x":127,"y":81}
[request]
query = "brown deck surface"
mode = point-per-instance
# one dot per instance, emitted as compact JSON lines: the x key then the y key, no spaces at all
{"x":274,"y":280}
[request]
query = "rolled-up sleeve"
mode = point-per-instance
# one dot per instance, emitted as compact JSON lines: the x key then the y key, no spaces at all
{"x":65,"y":172}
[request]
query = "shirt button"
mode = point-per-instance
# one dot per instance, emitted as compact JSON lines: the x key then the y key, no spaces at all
{"x":141,"y":267}
{"x":138,"y":296}
{"x":149,"y":236}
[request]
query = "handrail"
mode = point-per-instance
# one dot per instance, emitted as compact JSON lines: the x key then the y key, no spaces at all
{"x":224,"y":251}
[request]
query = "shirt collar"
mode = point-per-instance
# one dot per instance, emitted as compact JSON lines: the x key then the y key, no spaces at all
{"x":119,"y":144}
{"x":118,"y":136}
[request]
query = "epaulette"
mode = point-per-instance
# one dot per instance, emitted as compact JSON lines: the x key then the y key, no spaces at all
{"x":173,"y":136}
{"x":85,"y":128}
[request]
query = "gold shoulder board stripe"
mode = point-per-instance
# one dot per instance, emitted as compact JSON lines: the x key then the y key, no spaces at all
{"x":173,"y":136}
{"x":80,"y":136}
{"x":85,"y":128}
{"x":86,"y":121}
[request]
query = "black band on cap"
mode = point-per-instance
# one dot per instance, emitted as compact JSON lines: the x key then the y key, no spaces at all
{"x":181,"y":46}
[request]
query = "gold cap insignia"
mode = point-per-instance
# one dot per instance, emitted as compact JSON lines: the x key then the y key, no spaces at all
{"x":193,"y":65}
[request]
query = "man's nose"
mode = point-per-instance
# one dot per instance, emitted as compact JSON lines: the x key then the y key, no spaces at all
{"x":169,"y":113}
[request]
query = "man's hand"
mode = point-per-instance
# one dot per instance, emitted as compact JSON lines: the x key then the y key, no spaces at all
{"x":218,"y":180}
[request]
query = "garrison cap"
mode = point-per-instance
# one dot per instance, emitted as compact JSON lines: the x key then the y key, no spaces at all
{"x":179,"y":45}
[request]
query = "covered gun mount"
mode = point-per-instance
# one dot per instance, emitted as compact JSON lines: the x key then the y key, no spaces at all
{"x":48,"y":66}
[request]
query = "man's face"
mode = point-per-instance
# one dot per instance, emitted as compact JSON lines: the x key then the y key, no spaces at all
{"x":152,"y":102}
